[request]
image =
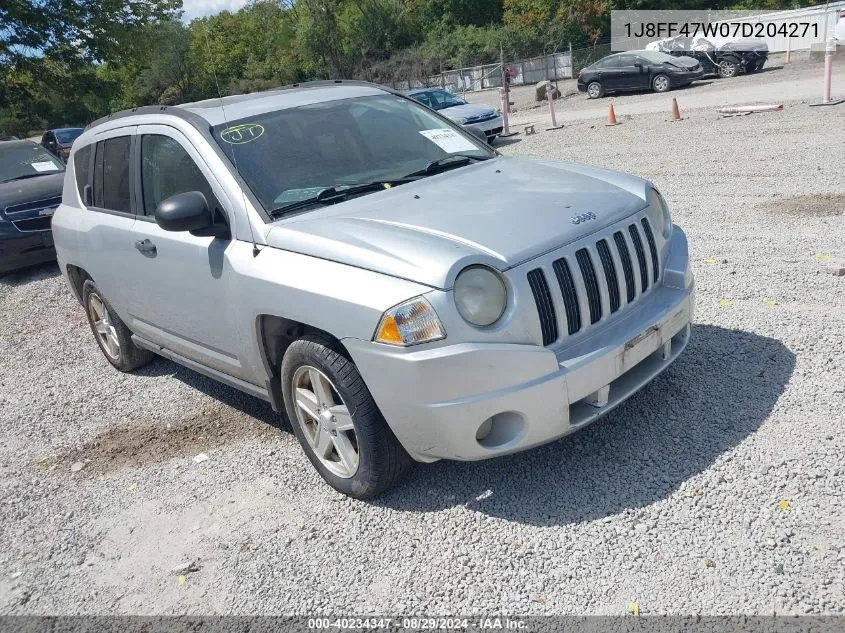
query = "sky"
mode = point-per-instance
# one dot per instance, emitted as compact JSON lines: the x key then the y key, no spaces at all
{"x":199,"y":8}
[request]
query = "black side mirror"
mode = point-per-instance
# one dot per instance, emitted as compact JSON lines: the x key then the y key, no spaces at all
{"x":189,"y":212}
{"x":639,"y":65}
{"x":481,"y":136}
{"x":183,"y":212}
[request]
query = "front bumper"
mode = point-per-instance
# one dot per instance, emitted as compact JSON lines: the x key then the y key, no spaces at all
{"x":19,"y":249}
{"x":683,"y":79}
{"x":491,"y":127}
{"x":439,"y":401}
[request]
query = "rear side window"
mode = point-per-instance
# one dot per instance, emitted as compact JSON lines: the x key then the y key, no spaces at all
{"x":609,"y":62}
{"x":167,"y":169}
{"x":82,"y":169}
{"x":111,"y":174}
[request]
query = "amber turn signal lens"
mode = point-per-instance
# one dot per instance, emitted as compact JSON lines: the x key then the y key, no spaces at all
{"x":410,"y":323}
{"x":389,"y":332}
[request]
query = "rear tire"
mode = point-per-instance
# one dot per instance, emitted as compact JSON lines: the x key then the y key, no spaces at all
{"x":595,"y":90}
{"x":336,"y":420}
{"x":113,"y":337}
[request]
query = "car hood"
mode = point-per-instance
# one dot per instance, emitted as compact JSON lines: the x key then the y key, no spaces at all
{"x":30,"y":190}
{"x":468,"y":111}
{"x":500,"y":212}
{"x":685,"y":62}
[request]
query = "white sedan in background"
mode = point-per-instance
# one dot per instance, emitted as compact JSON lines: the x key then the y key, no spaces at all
{"x":471,"y":115}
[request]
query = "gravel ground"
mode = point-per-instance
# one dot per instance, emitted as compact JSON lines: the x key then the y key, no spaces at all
{"x":718,"y":489}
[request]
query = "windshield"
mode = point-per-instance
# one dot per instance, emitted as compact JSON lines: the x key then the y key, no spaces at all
{"x":438,"y":99}
{"x":68,"y":136}
{"x":290,"y":155}
{"x":26,"y":160}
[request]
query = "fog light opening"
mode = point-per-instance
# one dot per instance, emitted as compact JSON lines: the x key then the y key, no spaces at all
{"x":484,"y":430}
{"x":501,"y":430}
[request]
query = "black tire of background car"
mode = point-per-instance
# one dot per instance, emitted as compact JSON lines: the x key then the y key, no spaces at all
{"x":131,"y":356}
{"x":666,"y":87}
{"x":728,"y":67}
{"x":382,"y":460}
{"x":600,"y":93}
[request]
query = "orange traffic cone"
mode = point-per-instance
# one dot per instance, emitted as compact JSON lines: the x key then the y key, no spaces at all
{"x":676,"y":114}
{"x":611,"y":116}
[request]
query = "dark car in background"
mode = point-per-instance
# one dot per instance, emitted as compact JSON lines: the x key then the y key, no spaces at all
{"x":727,"y":60}
{"x":58,"y":141}
{"x":30,"y":190}
{"x":638,"y":70}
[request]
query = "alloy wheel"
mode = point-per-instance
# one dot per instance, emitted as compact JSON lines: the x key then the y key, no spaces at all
{"x":727,"y":68}
{"x":325,"y":421}
{"x":106,"y":334}
{"x":661,"y":84}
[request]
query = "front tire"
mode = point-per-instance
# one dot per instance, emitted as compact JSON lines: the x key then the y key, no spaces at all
{"x":113,"y":337}
{"x":336,"y":420}
{"x":661,"y":83}
{"x":728,"y":68}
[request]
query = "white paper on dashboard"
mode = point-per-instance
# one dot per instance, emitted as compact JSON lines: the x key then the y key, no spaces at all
{"x":448,"y":140}
{"x":44,"y":166}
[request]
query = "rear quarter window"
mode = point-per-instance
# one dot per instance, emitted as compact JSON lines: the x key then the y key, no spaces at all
{"x":82,"y":169}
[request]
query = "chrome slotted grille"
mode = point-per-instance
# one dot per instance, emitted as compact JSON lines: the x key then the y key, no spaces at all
{"x":609,"y":274}
{"x":638,"y":247}
{"x":570,"y":295}
{"x":30,"y":207}
{"x":588,"y":273}
{"x":595,"y":280}
{"x":545,"y":307}
{"x":655,"y":267}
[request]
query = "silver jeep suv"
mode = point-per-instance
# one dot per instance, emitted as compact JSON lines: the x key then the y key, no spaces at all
{"x":399,"y":289}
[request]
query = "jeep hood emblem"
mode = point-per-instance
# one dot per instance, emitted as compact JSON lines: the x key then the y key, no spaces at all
{"x":582,"y":217}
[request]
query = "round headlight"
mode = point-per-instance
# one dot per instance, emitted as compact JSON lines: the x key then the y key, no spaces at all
{"x":480,"y":295}
{"x":658,"y":213}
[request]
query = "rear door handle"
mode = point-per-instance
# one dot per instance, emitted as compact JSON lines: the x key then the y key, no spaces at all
{"x":146,"y":247}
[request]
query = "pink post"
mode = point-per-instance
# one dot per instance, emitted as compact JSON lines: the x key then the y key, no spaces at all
{"x":551,"y":99}
{"x":829,"y":49}
{"x":504,"y":95}
{"x":828,"y":68}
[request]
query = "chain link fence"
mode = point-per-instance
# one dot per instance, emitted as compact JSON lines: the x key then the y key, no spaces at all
{"x":406,"y":72}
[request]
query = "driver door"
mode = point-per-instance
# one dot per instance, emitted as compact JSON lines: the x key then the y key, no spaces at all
{"x":180,"y":298}
{"x":631,"y":75}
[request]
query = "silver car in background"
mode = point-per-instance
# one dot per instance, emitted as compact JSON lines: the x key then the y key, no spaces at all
{"x":478,"y":116}
{"x":401,"y":291}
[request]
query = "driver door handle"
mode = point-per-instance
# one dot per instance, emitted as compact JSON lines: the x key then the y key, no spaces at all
{"x":146,"y":247}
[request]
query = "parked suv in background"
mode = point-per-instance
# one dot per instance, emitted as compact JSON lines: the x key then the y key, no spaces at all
{"x":30,"y":190}
{"x":59,"y":141}
{"x":394,"y":285}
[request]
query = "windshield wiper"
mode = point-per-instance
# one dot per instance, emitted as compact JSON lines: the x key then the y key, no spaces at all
{"x":337,"y":193}
{"x":447,"y":162}
{"x":23,"y":176}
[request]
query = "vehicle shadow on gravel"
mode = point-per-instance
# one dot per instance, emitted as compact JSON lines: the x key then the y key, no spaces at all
{"x":717,"y":393}
{"x":229,"y":396}
{"x":30,"y":274}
